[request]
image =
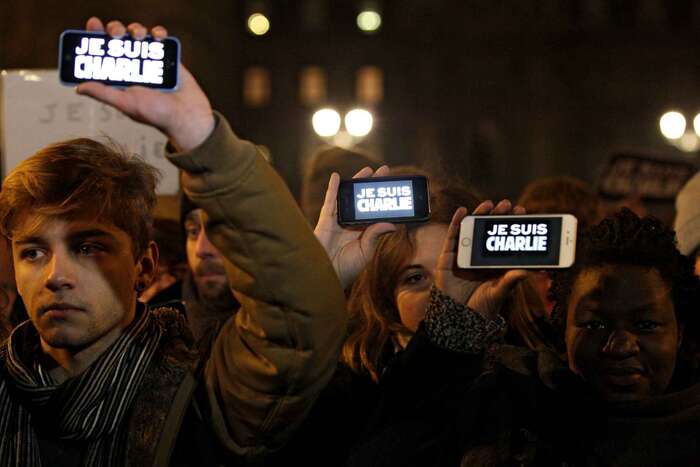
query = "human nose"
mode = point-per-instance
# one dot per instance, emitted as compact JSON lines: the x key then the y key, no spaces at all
{"x":60,"y":272}
{"x":621,"y":344}
{"x":204,"y":248}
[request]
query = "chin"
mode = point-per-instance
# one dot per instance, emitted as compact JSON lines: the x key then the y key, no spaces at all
{"x":63,"y":337}
{"x":622,"y":395}
{"x":212,"y":286}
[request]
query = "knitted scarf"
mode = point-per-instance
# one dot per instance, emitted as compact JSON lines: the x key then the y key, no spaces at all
{"x":90,"y":407}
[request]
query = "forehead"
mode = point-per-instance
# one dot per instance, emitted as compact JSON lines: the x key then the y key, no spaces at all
{"x":194,"y":215}
{"x":621,"y":287}
{"x":33,"y":227}
{"x":429,"y":239}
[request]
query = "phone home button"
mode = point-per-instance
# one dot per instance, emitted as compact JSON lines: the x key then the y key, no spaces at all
{"x":466,"y":241}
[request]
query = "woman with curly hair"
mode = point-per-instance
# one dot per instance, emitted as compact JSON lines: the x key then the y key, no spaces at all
{"x":624,"y":311}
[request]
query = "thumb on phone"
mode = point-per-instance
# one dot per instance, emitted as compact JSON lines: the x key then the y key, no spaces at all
{"x":489,"y":296}
{"x":371,"y":235}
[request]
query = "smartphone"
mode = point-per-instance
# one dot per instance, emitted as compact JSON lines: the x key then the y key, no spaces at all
{"x":383,"y":199}
{"x":540,"y":241}
{"x":92,"y":56}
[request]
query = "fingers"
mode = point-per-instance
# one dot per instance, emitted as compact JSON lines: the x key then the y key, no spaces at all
{"x":484,"y":208}
{"x":116,"y":29}
{"x":363,"y":173}
{"x":137,"y":30}
{"x":159,"y":33}
{"x":503,"y":207}
{"x":519,"y":210}
{"x":94,"y":24}
{"x":329,"y":202}
{"x":382,"y":171}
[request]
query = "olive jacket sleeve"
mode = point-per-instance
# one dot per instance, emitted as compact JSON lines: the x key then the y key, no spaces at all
{"x":270,"y":362}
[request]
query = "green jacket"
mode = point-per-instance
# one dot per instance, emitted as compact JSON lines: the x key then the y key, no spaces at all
{"x":269,"y":363}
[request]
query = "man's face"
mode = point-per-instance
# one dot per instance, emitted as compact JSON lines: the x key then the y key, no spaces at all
{"x":205,"y":261}
{"x":622,"y":336}
{"x":77,"y":279}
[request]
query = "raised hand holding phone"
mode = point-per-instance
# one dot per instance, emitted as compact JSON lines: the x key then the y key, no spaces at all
{"x":458,"y":283}
{"x":184,"y":115}
{"x":348,"y":248}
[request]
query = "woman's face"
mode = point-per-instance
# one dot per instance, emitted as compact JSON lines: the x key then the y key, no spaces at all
{"x":416,"y":276}
{"x":622,"y":336}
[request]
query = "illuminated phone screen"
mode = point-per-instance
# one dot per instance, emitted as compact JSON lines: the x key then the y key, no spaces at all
{"x":87,"y":56}
{"x":377,"y":199}
{"x":374,"y":200}
{"x":517,"y":241}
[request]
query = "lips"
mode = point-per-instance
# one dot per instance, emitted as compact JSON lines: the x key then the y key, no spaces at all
{"x":58,"y":309}
{"x":622,"y":376}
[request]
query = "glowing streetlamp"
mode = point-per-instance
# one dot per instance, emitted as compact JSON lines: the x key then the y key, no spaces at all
{"x":326,"y":122}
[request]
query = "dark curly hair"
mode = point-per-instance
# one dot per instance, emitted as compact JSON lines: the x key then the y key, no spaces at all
{"x":624,"y":238}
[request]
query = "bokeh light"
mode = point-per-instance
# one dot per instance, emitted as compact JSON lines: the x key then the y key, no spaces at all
{"x":672,"y":125}
{"x":359,"y":122}
{"x":369,"y":21}
{"x":326,"y":122}
{"x":258,"y":24}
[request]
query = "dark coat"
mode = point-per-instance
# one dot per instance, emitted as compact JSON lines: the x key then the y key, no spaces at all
{"x":441,"y":408}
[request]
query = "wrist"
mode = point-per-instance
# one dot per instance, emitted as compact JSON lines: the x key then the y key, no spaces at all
{"x":193,"y":132}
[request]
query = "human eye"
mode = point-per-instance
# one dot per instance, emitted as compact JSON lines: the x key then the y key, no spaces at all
{"x":593,"y":325}
{"x":192,"y":231}
{"x":647,"y":325}
{"x":414,"y":278}
{"x":31,"y":254}
{"x":89,"y":249}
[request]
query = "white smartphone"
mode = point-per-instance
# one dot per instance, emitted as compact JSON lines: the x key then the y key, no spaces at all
{"x":538,"y":241}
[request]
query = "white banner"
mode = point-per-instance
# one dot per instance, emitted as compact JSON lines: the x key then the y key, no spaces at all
{"x":36,"y":110}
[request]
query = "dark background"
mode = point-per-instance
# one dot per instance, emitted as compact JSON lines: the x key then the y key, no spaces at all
{"x":499,"y":92}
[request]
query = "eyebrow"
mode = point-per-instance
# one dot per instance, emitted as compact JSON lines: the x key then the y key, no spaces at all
{"x":194,"y":216}
{"x":412,"y":266}
{"x":89,"y":233}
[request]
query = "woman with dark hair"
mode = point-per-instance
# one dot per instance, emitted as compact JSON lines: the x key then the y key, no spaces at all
{"x":623,"y":397}
{"x":390,"y":296}
{"x":389,"y":270}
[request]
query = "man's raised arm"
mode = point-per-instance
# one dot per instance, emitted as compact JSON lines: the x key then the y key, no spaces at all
{"x":268,"y":365}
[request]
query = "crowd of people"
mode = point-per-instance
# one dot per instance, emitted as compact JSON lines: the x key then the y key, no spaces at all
{"x":242,"y":335}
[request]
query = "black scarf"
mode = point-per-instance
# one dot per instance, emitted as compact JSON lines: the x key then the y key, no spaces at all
{"x":90,"y":407}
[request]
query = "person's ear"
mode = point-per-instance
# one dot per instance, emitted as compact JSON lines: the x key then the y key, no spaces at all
{"x":147,"y":266}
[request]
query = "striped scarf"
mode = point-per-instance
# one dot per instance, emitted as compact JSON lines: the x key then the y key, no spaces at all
{"x":89,"y":407}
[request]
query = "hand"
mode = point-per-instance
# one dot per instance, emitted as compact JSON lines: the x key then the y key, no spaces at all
{"x":457,"y":283}
{"x":349,"y":249}
{"x":185,"y":115}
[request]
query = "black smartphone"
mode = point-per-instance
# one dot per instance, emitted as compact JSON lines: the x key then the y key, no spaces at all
{"x":92,"y":56}
{"x":383,"y":199}
{"x":539,"y":241}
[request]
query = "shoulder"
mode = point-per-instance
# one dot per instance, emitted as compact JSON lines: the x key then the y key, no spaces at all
{"x":177,"y":343}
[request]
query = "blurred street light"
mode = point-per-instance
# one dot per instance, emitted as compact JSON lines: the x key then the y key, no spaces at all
{"x":358,"y":122}
{"x":326,"y":122}
{"x":672,"y":125}
{"x":696,"y":124}
{"x":369,"y":21}
{"x":258,"y":24}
